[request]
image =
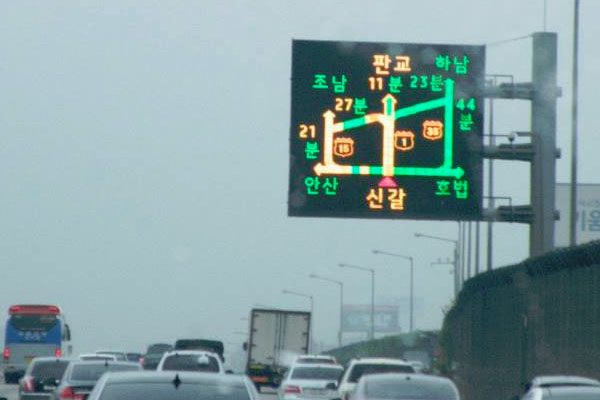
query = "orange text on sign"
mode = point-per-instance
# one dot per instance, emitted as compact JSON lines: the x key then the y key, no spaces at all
{"x":404,"y":140}
{"x":433,"y":130}
{"x":343,"y":147}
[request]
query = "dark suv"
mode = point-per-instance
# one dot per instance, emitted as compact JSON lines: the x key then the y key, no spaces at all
{"x":153,"y":355}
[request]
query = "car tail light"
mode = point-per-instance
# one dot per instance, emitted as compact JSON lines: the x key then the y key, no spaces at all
{"x":291,"y":389}
{"x":68,"y":393}
{"x":57,"y":352}
{"x":28,"y":385}
{"x":6,"y":354}
{"x":142,"y":361}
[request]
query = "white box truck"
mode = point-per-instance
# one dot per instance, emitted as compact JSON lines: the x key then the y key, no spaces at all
{"x":276,"y":338}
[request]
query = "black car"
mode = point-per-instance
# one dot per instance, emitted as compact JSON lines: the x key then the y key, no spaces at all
{"x":42,"y":376}
{"x":154,"y":354}
{"x":134,"y":357}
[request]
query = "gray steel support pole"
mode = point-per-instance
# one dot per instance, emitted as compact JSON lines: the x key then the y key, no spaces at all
{"x":469,"y":252}
{"x":543,"y":128}
{"x":341,"y":314}
{"x":463,"y":253}
{"x":573,"y":208}
{"x":477,"y":244}
{"x":491,"y":205}
{"x":412,"y":295}
{"x":312,"y":320}
{"x":456,"y":268}
{"x":372,"y":304}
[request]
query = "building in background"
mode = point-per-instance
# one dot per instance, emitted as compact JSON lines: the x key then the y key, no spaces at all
{"x":588,"y":213}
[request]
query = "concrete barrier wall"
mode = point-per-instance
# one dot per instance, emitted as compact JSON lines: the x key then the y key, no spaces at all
{"x":539,"y":317}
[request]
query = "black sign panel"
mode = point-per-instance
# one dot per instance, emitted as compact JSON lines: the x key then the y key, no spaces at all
{"x":383,"y":130}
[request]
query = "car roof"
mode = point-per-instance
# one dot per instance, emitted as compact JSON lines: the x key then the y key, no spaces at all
{"x":191,"y":352}
{"x":379,"y":360}
{"x":37,"y":359}
{"x":318,"y":365}
{"x":103,"y":362}
{"x":563,"y":380}
{"x":420,"y":378}
{"x":587,"y":392}
{"x":111,"y":351}
{"x":321,"y":356}
{"x":169,"y":376}
{"x":96,"y":355}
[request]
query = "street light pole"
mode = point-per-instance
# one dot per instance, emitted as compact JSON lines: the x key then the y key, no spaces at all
{"x":456,"y":258}
{"x":310,"y":297}
{"x":372,"y":271}
{"x":341,"y":285}
{"x":412,"y":284}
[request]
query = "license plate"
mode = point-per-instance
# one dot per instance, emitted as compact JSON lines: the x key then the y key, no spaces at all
{"x":49,"y":387}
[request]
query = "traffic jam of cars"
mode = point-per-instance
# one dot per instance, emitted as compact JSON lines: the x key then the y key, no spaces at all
{"x":195,"y":368}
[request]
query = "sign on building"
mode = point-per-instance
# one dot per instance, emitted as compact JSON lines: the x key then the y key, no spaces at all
{"x":588,"y":213}
{"x":386,"y":130}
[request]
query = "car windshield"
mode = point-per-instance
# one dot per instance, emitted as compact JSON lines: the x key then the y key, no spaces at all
{"x":120,"y":356}
{"x":93,"y":372}
{"x":191,"y":362}
{"x":583,"y":393}
{"x":96,"y":358}
{"x":366,"y":369}
{"x":312,"y":360}
{"x":49,"y":369}
{"x":402,"y":388}
{"x":170,"y":391}
{"x":317,"y":373}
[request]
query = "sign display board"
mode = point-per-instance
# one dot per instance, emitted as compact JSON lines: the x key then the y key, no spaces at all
{"x":383,"y":130}
{"x":588,"y":213}
{"x":357,"y":318}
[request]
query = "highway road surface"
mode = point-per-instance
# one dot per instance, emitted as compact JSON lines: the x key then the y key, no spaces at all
{"x":9,"y":391}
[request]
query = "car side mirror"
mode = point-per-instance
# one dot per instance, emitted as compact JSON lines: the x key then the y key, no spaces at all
{"x":331,"y":386}
{"x":229,"y":371}
{"x":245,"y":346}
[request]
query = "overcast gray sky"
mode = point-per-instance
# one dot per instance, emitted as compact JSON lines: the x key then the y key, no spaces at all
{"x":144,"y":158}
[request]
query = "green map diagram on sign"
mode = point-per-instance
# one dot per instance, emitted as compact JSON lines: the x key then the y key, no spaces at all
{"x":334,"y":144}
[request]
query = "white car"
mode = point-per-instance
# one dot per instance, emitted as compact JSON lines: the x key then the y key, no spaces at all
{"x":417,"y":365}
{"x":97,"y":357}
{"x":310,"y":381}
{"x":540,"y":385}
{"x":191,"y":360}
{"x":120,"y":355}
{"x":315,"y":359}
{"x":365,"y":366}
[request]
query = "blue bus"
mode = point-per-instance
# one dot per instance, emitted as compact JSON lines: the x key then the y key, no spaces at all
{"x":33,"y":330}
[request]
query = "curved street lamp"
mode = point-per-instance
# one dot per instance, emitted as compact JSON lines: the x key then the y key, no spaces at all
{"x":412,"y":283}
{"x":372,"y":271}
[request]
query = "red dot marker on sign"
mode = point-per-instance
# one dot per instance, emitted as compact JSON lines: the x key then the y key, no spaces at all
{"x":387,"y":182}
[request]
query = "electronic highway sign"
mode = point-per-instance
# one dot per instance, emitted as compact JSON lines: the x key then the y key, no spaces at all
{"x":386,"y":130}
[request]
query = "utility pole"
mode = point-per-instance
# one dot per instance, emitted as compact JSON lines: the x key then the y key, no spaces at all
{"x":573,"y":219}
